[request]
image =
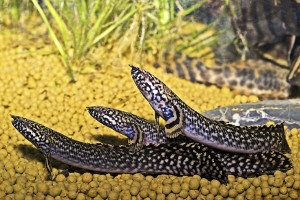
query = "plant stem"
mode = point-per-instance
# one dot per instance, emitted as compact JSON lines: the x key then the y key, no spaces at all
{"x":57,"y":43}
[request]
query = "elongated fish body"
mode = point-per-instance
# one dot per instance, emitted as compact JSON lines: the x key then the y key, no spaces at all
{"x":170,"y":158}
{"x":182,"y":119}
{"x":125,"y":124}
{"x":245,"y":165}
{"x":254,"y":77}
{"x":122,"y":122}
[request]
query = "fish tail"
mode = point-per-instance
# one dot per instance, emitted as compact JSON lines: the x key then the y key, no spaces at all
{"x":284,"y":146}
{"x":250,"y":165}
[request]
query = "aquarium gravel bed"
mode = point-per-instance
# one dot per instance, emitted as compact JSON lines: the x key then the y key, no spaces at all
{"x":37,"y":86}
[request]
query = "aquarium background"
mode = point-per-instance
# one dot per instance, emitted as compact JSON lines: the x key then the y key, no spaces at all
{"x":59,"y":57}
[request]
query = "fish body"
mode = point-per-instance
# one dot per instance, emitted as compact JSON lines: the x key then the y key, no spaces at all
{"x":170,"y":158}
{"x":125,"y":124}
{"x":182,"y":119}
{"x":244,"y":165}
{"x":250,"y":77}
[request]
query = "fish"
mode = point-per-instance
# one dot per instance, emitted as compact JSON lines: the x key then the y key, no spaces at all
{"x":171,"y":158}
{"x":182,"y":119}
{"x":237,"y":164}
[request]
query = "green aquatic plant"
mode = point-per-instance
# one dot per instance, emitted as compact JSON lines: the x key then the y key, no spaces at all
{"x":14,"y":9}
{"x":82,"y":24}
{"x":169,"y":19}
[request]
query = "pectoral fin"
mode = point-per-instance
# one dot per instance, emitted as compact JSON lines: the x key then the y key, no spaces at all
{"x":48,"y":164}
{"x":157,"y":124}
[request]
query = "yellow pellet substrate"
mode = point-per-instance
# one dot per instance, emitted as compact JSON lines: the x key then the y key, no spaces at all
{"x":36,"y":86}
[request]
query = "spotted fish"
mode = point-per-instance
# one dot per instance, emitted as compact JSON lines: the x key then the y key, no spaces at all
{"x":182,"y":119}
{"x":132,"y":126}
{"x":250,"y":77}
{"x":170,"y":158}
{"x":244,"y":165}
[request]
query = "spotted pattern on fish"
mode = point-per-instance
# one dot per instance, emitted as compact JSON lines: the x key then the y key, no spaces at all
{"x":182,"y":119}
{"x":245,"y":165}
{"x":169,"y":158}
{"x":250,"y":77}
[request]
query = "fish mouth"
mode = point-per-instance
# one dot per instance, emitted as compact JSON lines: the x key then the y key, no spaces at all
{"x":93,"y":109}
{"x":17,"y":122}
{"x":14,"y":117}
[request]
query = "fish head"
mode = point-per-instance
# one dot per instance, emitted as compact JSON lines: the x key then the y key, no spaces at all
{"x":120,"y":121}
{"x":36,"y":133}
{"x":158,"y":95}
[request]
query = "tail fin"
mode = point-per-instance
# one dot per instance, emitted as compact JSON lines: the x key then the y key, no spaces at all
{"x":284,"y":146}
{"x":250,"y":165}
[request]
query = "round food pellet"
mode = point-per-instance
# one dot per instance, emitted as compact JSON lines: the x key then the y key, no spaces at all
{"x":289,"y":181}
{"x":107,"y":186}
{"x":239,"y":197}
{"x":283,"y":190}
{"x":19,"y":196}
{"x":60,"y":178}
{"x":113,"y":195}
{"x":171,"y":196}
{"x":117,"y":188}
{"x":72,"y":178}
{"x":194,"y":194}
{"x":84,"y":188}
{"x":183,"y":193}
{"x":72,"y":187}
{"x":274,"y":191}
{"x":102,"y":192}
{"x":204,"y":182}
{"x":167,"y":189}
{"x":223,"y":191}
{"x":214,"y":191}
{"x":92,"y":193}
{"x":87,"y":177}
{"x":54,"y":191}
{"x":176,"y":188}
{"x":161,"y":196}
{"x":215,"y":183}
{"x":43,"y":188}
{"x":194,"y":184}
{"x":9,"y":189}
{"x":246,"y":184}
{"x":143,"y":193}
{"x":185,"y":186}
{"x":210,"y":197}
{"x":80,"y":196}
{"x":232,"y":193}
{"x":293,"y":194}
{"x":204,"y":191}
{"x":265,"y":191}
{"x":18,"y":187}
{"x":134,"y":190}
{"x":72,"y":194}
{"x":20,"y":169}
{"x":296,"y":185}
{"x":240,"y":188}
{"x":278,"y":182}
{"x":138,"y":177}
{"x":256,"y":182}
{"x":152,"y":194}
